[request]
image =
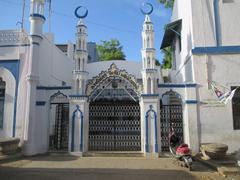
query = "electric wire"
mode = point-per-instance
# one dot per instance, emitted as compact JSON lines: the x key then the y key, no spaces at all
{"x":71,"y":17}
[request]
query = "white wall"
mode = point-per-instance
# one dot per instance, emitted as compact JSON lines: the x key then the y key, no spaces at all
{"x":216,"y":121}
{"x":54,"y":65}
{"x":229,"y":23}
{"x":183,"y":10}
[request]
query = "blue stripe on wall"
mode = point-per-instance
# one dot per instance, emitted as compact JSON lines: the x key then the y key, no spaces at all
{"x":217,"y":21}
{"x":40,"y":103}
{"x":216,"y":50}
{"x":190,"y":85}
{"x":15,"y":45}
{"x":191,"y":101}
{"x":53,"y":87}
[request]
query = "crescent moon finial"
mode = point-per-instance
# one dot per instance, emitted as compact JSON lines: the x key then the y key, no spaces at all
{"x":83,"y":15}
{"x":149,"y":11}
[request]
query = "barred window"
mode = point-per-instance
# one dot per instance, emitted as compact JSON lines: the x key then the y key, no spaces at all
{"x":236,"y":109}
{"x":2,"y":97}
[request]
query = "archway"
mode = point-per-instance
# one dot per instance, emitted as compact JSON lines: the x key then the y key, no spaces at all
{"x":8,"y":103}
{"x":171,"y":116}
{"x":59,"y":122}
{"x":114,"y":113}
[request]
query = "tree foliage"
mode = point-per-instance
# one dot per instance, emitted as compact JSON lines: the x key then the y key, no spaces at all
{"x":167,"y":57}
{"x":157,"y":63}
{"x":167,"y":3}
{"x":110,"y":50}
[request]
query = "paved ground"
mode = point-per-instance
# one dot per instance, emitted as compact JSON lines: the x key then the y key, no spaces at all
{"x":101,"y":168}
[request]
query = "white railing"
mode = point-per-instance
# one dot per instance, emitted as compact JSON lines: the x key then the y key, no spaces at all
{"x":13,"y":37}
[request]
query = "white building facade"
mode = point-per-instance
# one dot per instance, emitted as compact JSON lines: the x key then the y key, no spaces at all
{"x":56,"y":101}
{"x":204,"y":36}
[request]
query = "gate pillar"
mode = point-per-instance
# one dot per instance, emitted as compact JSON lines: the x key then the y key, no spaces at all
{"x":150,"y":125}
{"x":78,"y":124}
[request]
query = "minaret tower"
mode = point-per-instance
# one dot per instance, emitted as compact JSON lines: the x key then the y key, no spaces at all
{"x":78,"y":113}
{"x":149,"y":101}
{"x":81,"y":57}
{"x":149,"y":72}
{"x":32,"y":131}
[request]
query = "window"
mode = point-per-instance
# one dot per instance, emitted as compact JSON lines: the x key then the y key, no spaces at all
{"x":2,"y":97}
{"x":236,"y":109}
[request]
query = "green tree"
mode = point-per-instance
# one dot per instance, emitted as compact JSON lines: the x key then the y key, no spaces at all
{"x":110,"y":50}
{"x":167,"y":3}
{"x":167,"y":57}
{"x":157,"y":63}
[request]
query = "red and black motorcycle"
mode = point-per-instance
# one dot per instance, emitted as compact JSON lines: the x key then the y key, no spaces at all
{"x":180,"y":150}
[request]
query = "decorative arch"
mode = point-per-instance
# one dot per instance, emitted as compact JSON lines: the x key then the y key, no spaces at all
{"x":11,"y":96}
{"x":171,"y":115}
{"x":155,"y":123}
{"x":12,"y":69}
{"x":73,"y":128}
{"x":58,"y":97}
{"x":171,"y":95}
{"x":113,"y":71}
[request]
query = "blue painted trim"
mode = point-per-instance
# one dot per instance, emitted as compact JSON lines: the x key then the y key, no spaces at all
{"x":149,"y":95}
{"x":155,"y":123}
{"x":53,"y":87}
{"x":40,"y":103}
{"x":15,"y":45}
{"x":192,"y":85}
{"x":38,"y":15}
{"x":13,"y":67}
{"x":217,"y":21}
{"x":216,"y":50}
{"x":36,"y":35}
{"x":150,"y":70}
{"x":150,"y":49}
{"x":73,"y":128}
{"x":191,"y":101}
{"x":80,"y":50}
{"x":35,"y":43}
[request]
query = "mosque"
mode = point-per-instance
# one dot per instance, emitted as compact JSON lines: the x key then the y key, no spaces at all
{"x":53,"y":99}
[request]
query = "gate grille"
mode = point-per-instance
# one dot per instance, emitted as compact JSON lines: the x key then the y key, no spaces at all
{"x":59,"y":141}
{"x":114,"y":126}
{"x":170,"y":114}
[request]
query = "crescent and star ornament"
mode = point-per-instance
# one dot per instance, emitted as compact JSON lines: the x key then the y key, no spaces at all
{"x":150,"y":6}
{"x":83,"y":15}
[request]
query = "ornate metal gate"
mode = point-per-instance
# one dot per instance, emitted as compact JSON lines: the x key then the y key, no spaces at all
{"x":114,"y":126}
{"x":171,"y":116}
{"x":59,"y":141}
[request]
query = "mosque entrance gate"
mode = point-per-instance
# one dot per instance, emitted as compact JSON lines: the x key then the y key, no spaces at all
{"x":114,"y":113}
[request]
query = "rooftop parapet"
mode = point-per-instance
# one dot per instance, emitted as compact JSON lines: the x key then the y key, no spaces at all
{"x":13,"y":37}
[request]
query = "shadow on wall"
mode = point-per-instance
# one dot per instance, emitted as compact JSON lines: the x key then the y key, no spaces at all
{"x":211,"y":18}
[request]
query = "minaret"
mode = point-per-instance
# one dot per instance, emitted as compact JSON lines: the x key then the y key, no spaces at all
{"x":32,"y":130}
{"x":149,"y":102}
{"x":78,"y":101}
{"x":81,"y":57}
{"x":149,"y":72}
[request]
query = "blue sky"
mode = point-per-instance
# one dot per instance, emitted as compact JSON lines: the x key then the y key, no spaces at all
{"x":119,"y":19}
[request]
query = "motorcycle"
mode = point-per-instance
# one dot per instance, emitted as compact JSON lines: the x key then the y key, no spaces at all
{"x":180,"y":150}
